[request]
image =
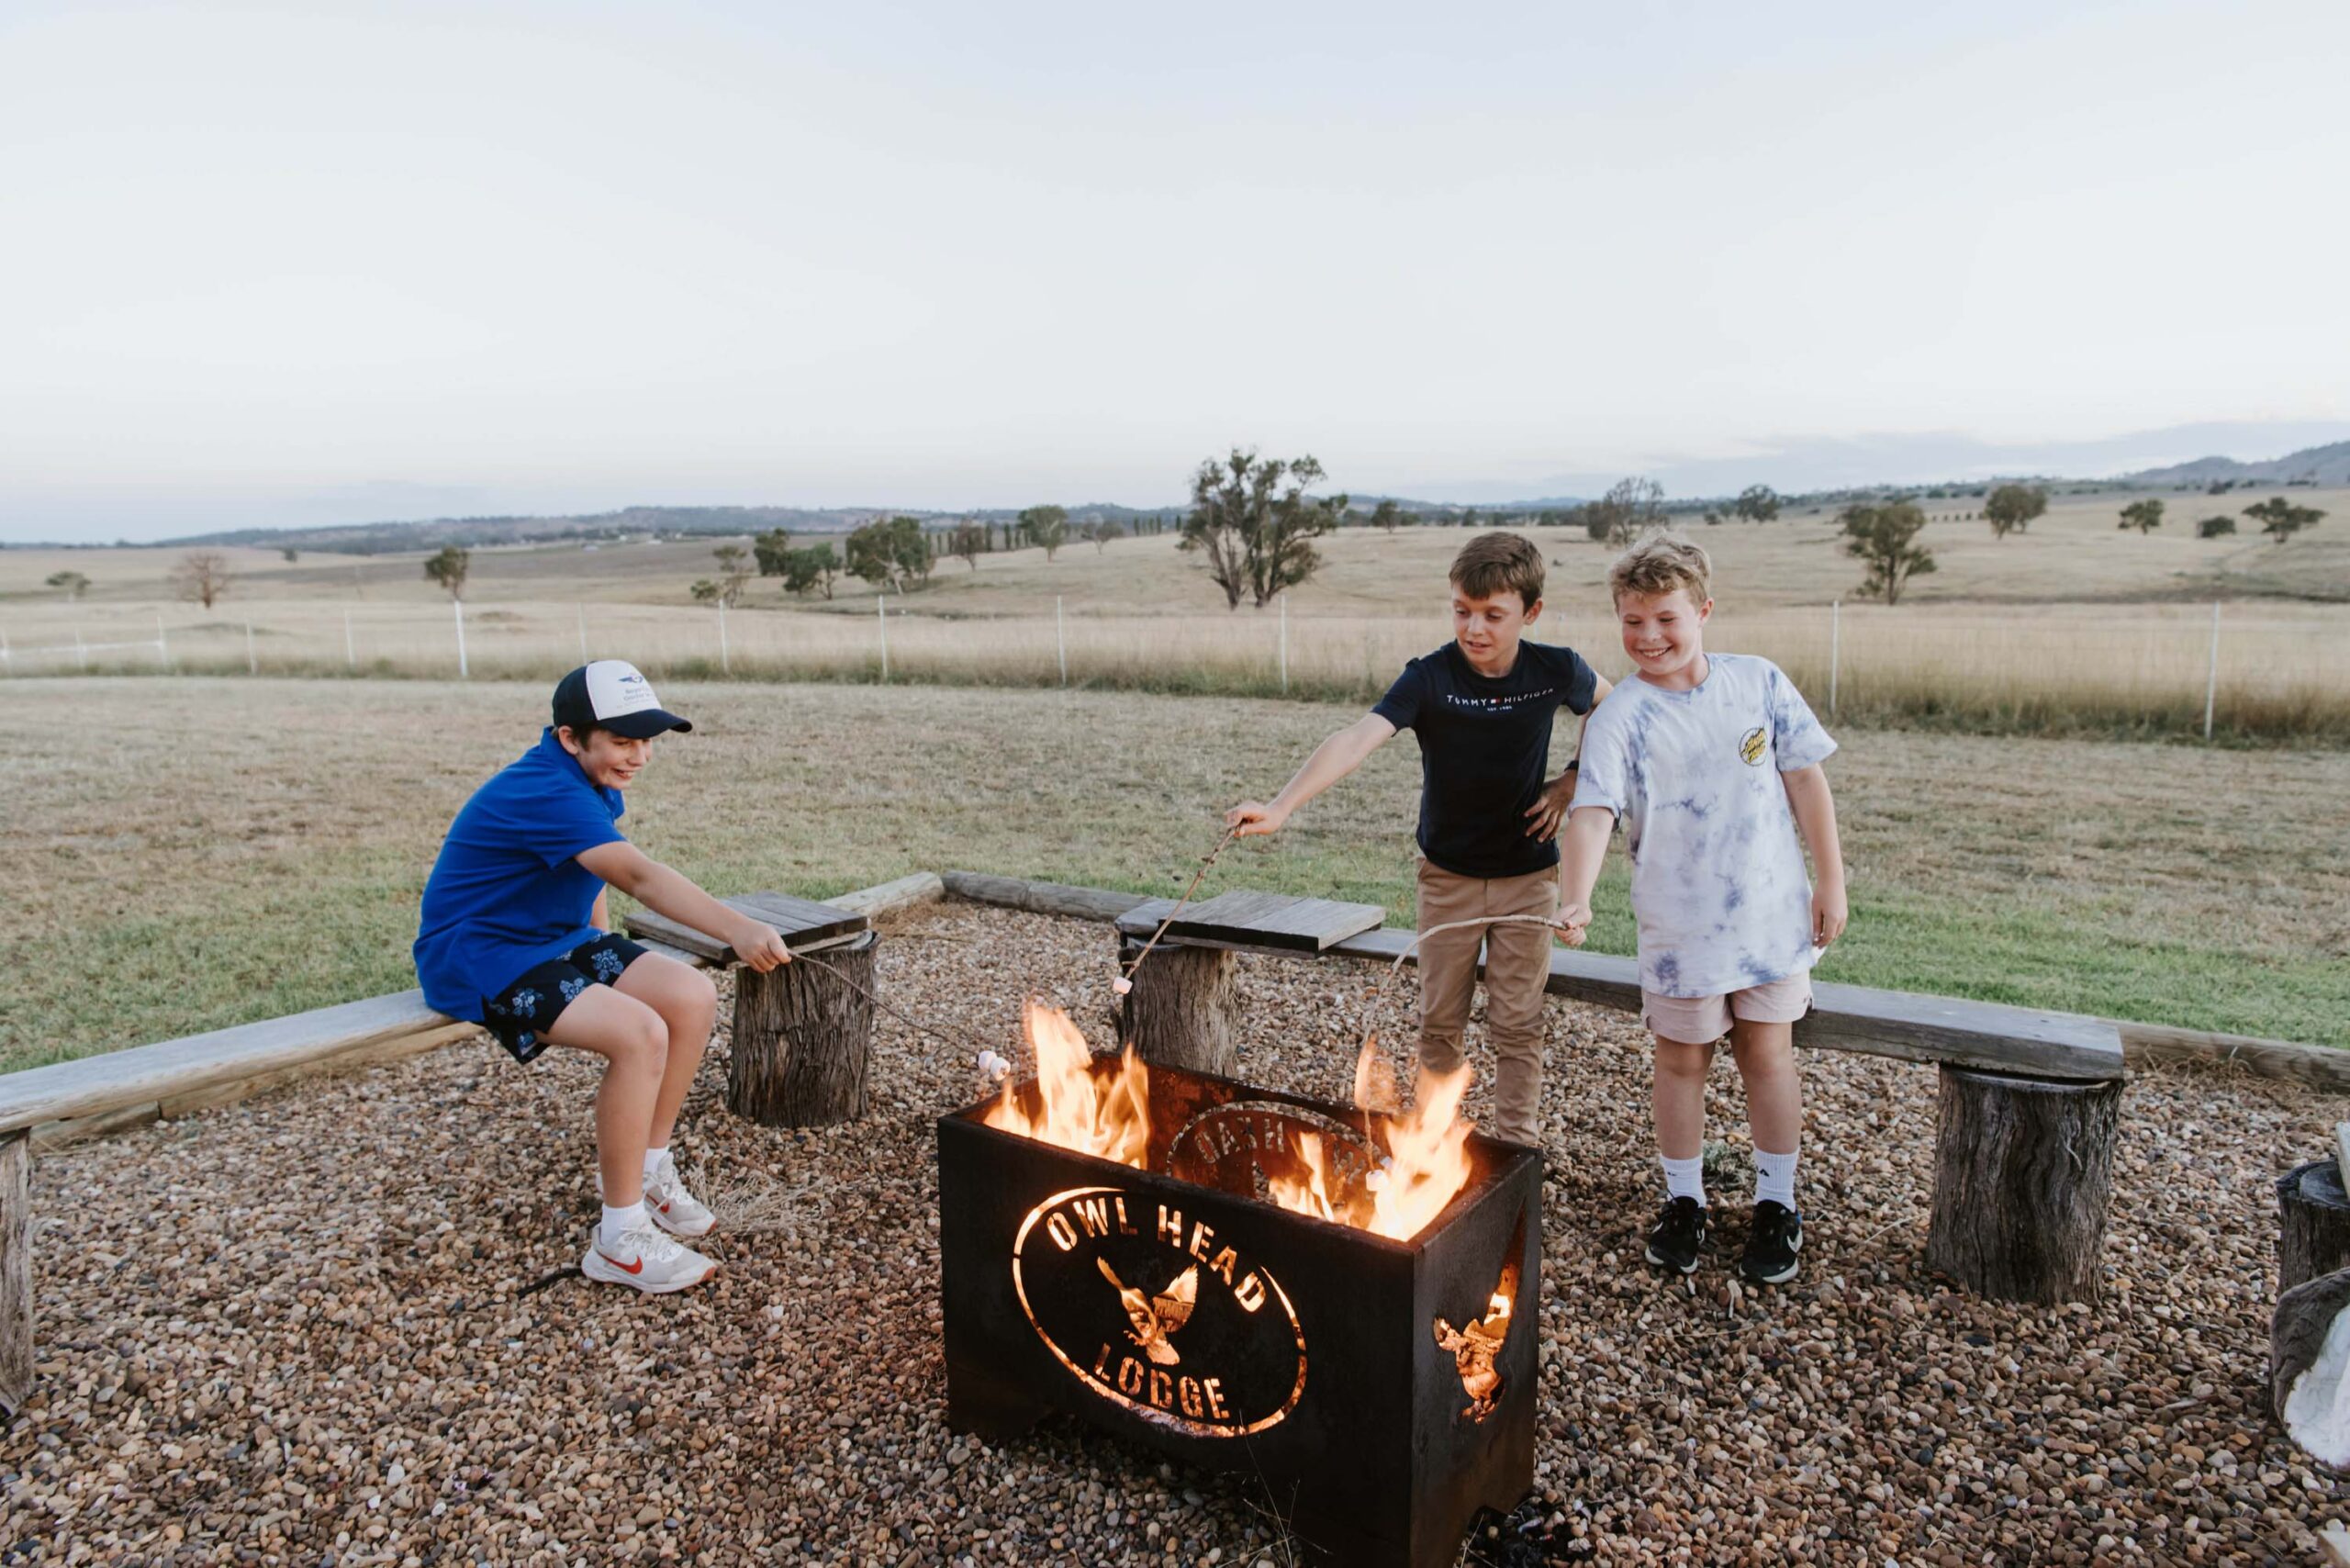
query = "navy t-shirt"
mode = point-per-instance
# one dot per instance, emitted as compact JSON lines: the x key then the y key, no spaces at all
{"x":507,"y":893}
{"x":1485,"y":744}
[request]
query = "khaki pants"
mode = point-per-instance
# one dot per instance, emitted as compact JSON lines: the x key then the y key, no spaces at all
{"x":1517,"y":966}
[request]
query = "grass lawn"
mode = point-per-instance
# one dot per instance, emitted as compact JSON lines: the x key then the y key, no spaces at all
{"x":187,"y":854}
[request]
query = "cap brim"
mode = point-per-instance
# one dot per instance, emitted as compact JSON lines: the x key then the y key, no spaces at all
{"x":644,"y":725}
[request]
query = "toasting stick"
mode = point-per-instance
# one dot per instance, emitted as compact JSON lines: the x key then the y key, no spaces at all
{"x":1124,"y":982}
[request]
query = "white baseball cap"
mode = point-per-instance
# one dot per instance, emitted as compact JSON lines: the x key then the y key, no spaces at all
{"x":610,"y":695}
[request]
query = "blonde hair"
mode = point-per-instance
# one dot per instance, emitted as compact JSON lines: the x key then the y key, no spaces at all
{"x":1491,"y":562}
{"x":1657,"y":564}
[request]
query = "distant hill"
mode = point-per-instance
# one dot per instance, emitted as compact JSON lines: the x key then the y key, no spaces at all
{"x":630,"y":522}
{"x":2316,"y":465}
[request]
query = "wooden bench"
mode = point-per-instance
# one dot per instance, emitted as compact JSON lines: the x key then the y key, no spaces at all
{"x":46,"y":1105}
{"x":2029,"y":1100}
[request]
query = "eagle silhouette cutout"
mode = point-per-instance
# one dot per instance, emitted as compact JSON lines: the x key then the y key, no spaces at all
{"x":1155,"y":1319}
{"x":1474,"y":1346}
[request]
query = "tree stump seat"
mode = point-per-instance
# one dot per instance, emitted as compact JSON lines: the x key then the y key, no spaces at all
{"x":802,"y":1038}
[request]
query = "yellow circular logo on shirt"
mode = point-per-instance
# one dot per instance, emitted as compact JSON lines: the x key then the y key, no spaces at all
{"x":1750,"y":749}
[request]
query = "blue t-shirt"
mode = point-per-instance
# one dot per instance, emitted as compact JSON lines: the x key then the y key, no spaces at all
{"x":1485,"y":746}
{"x":507,"y":893}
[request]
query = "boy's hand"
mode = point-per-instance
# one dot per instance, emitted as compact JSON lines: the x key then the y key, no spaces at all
{"x":1546,"y":813}
{"x":1573,"y":921}
{"x":1828,"y":915}
{"x":1250,"y":818}
{"x":761,"y":947}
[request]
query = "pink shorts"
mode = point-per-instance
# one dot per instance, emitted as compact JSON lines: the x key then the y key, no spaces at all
{"x":1701,"y":1020}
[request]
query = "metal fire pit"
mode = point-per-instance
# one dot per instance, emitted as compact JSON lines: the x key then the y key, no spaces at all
{"x":1173,"y":1306}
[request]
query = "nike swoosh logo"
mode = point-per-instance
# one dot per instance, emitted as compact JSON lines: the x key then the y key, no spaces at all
{"x":635,"y":1268}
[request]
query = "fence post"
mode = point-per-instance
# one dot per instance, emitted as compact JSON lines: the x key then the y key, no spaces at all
{"x":881,"y":611}
{"x":252,"y":665}
{"x":2211,"y":679}
{"x":725,"y":665}
{"x":1284,"y":607}
{"x":583,"y":632}
{"x":350,"y":648}
{"x":81,"y":654}
{"x":1835,"y":649}
{"x":163,"y":647}
{"x":459,"y":606}
{"x":1060,"y":639}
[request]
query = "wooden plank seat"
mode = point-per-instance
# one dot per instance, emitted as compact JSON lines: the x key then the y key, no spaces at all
{"x":2009,"y":1220}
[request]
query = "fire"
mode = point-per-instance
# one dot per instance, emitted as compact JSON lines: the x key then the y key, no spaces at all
{"x":1427,"y":1160}
{"x":1100,"y":1105}
{"x":1096,"y":1108}
{"x":1427,"y":1151}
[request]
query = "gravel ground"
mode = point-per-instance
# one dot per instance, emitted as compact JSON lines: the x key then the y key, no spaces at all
{"x":294,"y":1331}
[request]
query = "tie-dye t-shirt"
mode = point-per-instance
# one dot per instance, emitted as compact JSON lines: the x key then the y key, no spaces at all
{"x":1718,"y":883}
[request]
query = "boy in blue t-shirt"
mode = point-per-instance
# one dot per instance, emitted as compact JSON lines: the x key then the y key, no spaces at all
{"x":1482,"y":708}
{"x":1712,"y":763}
{"x":515,"y":935}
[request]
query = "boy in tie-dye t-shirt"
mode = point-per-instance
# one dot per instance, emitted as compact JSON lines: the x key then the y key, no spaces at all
{"x":1712,"y":765}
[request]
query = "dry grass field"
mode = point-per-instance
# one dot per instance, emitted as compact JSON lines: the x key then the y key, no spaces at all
{"x":2074,"y":627}
{"x":187,"y":854}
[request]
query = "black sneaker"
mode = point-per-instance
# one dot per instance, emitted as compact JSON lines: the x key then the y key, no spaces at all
{"x":1772,"y":1245}
{"x":1678,"y":1235}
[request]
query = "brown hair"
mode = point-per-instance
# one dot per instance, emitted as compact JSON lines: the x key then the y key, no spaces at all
{"x":1491,"y":562}
{"x":1657,"y":566}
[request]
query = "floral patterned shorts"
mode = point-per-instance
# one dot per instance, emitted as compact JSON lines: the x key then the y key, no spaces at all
{"x":522,"y":1015}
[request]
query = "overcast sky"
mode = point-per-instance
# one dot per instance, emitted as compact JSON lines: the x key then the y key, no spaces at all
{"x":278,"y":265}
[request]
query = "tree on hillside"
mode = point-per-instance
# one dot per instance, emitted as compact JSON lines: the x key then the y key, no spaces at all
{"x":1046,"y":527}
{"x":1885,"y":537}
{"x":2010,"y":507}
{"x":73,"y":585}
{"x":733,"y":574}
{"x":1256,"y":530}
{"x":1758,"y":503}
{"x":1631,"y":508}
{"x":813,"y":567}
{"x":448,"y":568}
{"x":967,"y":542}
{"x":291,"y":554}
{"x":201,"y":577}
{"x":892,"y":551}
{"x":1387,"y":515}
{"x":2280,"y":518}
{"x":771,"y":547}
{"x":2213,"y":527}
{"x":1100,"y":531}
{"x":2144,"y":516}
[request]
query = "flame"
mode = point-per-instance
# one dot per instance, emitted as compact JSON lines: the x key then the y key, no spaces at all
{"x":1428,"y":1149}
{"x":1100,"y":1105}
{"x":1095,"y":1107}
{"x":1311,"y":1196}
{"x":1496,"y":1311}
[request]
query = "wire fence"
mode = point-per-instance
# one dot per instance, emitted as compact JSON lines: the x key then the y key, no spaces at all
{"x":2247,"y":670}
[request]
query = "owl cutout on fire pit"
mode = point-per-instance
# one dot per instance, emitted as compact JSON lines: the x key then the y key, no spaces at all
{"x":1157,"y":1318}
{"x":1474,"y":1346}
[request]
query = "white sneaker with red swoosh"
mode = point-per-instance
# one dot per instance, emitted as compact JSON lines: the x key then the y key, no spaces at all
{"x":668,"y":1204}
{"x":644,"y":1260}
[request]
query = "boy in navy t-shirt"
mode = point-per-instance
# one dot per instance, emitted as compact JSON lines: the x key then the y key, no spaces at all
{"x":1481,"y":706}
{"x":515,"y":935}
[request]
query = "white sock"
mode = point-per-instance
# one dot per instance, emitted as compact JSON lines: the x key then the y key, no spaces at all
{"x":653,"y":1159}
{"x":1683,"y":1178}
{"x":1774,"y":1178}
{"x":620,"y":1222}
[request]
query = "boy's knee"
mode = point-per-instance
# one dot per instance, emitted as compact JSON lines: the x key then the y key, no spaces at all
{"x":645,"y":1041}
